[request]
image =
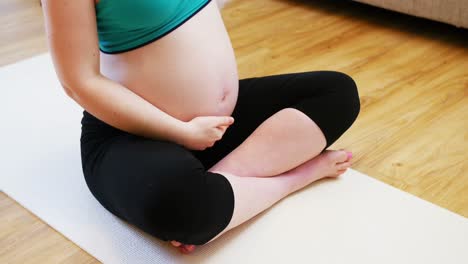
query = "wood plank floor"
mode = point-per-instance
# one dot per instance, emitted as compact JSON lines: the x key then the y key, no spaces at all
{"x":412,"y":76}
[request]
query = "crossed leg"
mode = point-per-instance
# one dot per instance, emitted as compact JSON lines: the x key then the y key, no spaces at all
{"x":287,"y":146}
{"x":260,"y":195}
{"x":282,"y":142}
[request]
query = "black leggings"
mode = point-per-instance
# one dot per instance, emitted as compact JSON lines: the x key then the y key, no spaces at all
{"x":165,"y":189}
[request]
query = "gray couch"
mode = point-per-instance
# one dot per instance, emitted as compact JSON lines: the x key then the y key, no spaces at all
{"x":453,"y":12}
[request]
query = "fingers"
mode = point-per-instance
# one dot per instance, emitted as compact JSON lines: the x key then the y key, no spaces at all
{"x":223,"y":128}
{"x":223,"y":121}
{"x":212,"y":129}
{"x":220,"y":131}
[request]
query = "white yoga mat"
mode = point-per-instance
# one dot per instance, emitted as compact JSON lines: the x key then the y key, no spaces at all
{"x":354,"y":219}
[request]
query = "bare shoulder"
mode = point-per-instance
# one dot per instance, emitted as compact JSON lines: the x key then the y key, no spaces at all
{"x":72,"y":39}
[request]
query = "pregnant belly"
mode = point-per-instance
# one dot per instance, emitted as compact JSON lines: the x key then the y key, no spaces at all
{"x":190,"y":72}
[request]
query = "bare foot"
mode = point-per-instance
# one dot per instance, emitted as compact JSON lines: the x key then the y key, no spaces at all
{"x":349,"y":156}
{"x":331,"y":163}
{"x":186,"y":249}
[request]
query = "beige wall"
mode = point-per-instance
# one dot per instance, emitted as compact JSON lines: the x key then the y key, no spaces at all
{"x":454,"y":12}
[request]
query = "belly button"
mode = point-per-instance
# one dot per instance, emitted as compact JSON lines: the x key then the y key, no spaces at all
{"x":224,"y":96}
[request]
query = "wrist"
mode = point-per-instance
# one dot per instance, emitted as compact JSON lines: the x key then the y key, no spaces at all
{"x":180,"y":132}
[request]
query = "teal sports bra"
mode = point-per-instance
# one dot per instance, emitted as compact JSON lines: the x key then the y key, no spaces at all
{"x":125,"y":25}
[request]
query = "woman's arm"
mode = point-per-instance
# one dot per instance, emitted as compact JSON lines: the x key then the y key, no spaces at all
{"x":73,"y":43}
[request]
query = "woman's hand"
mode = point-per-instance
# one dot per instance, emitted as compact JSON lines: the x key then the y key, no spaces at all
{"x":203,"y":131}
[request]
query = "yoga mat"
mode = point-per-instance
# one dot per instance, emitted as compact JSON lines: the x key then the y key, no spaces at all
{"x":353,"y":219}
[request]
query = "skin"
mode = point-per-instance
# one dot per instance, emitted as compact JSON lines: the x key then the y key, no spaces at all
{"x":174,"y":72}
{"x":183,"y":88}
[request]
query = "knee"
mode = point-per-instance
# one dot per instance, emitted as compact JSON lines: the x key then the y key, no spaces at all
{"x":347,"y":95}
{"x":174,"y":190}
{"x":191,"y":205}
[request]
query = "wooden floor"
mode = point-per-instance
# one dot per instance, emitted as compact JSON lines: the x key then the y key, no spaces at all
{"x":412,"y":76}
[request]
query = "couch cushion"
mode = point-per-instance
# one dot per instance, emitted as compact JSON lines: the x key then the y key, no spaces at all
{"x":454,"y":12}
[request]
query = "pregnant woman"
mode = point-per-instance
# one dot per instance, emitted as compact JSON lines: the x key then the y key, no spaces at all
{"x":172,"y":141}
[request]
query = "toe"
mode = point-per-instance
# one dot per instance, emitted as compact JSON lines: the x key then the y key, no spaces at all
{"x":345,"y":155}
{"x":190,"y":247}
{"x":340,"y":156}
{"x":343,"y":165}
{"x":186,"y":249}
{"x":175,"y":243}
